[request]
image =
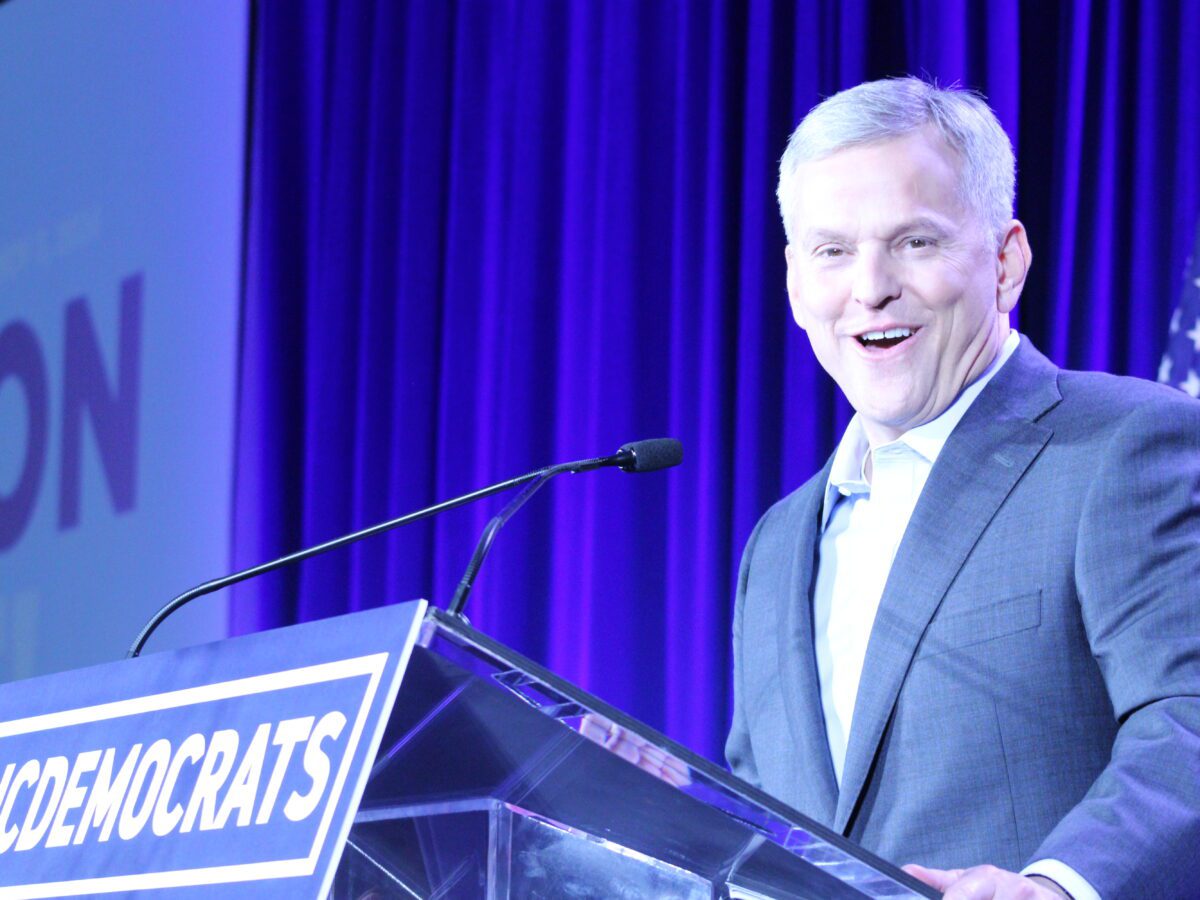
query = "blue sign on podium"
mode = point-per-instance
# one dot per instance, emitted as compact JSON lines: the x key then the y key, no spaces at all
{"x":226,"y":770}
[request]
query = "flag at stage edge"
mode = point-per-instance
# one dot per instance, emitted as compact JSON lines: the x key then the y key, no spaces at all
{"x":1180,"y":366}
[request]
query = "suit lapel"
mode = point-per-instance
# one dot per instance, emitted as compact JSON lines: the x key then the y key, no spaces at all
{"x":982,"y":461}
{"x":798,"y":663}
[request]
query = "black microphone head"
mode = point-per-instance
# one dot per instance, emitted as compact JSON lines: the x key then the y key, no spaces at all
{"x":650,"y":455}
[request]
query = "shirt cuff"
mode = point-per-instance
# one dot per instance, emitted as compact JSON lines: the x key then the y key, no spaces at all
{"x":1070,"y":880}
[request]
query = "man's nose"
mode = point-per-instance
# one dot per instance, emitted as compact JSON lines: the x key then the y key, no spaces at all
{"x":876,"y":282}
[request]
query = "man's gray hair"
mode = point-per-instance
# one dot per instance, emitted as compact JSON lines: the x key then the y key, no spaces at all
{"x":891,"y":108}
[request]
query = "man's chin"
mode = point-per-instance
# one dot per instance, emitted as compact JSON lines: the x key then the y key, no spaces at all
{"x":885,"y":423}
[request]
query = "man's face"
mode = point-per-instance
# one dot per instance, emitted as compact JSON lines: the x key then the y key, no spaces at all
{"x":901,"y":289}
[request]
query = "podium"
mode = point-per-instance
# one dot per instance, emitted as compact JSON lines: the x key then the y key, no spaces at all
{"x":486,"y":786}
{"x":390,"y":753}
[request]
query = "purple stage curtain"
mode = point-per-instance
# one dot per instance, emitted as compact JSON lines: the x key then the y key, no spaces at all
{"x":486,"y":236}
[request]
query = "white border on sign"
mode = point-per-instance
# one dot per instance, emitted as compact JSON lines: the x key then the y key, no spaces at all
{"x":373,"y":742}
{"x":372,"y":665}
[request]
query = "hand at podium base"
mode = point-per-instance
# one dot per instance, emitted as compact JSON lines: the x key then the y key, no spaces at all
{"x":987,"y":883}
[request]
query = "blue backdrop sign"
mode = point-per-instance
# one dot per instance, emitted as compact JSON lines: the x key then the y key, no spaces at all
{"x":228,"y":770}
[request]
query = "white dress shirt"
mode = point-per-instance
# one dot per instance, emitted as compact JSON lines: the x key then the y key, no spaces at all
{"x":863,"y":519}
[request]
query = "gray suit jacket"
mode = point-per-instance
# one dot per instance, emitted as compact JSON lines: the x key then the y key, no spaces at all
{"x":1031,"y":687}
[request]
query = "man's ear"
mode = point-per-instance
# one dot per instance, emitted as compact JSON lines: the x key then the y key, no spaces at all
{"x":1012,"y":265}
{"x":793,"y":286}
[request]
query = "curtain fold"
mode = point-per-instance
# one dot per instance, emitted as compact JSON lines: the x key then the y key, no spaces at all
{"x":485,"y":236}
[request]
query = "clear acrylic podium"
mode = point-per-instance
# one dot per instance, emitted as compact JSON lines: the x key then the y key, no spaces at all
{"x":485,"y":787}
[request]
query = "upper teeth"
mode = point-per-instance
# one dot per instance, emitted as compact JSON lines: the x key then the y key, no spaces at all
{"x":890,"y":333}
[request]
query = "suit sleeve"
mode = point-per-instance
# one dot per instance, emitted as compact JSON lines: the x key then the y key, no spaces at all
{"x":738,"y":750}
{"x":1137,"y":830}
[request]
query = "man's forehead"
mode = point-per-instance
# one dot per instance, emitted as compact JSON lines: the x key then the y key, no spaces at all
{"x":910,"y":154}
{"x":911,"y":179}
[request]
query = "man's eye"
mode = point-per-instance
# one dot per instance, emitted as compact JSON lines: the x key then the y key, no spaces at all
{"x":829,"y":252}
{"x":917,"y":243}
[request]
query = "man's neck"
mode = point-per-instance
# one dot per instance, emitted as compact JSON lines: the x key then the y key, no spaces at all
{"x":880,"y":433}
{"x":877,"y":434}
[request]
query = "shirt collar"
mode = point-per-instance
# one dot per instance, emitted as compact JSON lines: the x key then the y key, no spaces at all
{"x":847,"y":472}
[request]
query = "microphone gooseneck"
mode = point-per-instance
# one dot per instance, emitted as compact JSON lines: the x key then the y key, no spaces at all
{"x":639,"y":456}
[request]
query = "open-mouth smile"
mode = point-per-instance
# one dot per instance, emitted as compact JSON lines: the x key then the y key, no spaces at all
{"x":885,"y":339}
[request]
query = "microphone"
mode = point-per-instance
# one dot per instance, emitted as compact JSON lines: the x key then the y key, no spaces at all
{"x":650,"y":455}
{"x":639,"y":456}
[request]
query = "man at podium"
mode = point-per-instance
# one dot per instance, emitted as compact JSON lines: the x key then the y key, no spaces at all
{"x":971,"y":641}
